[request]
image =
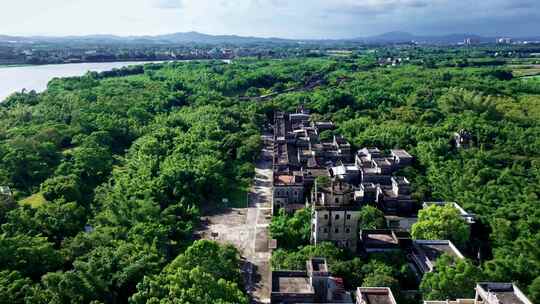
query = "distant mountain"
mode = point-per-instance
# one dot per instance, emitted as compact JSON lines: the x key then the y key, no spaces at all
{"x":199,"y":38}
{"x":211,"y":39}
{"x":389,"y":37}
{"x":176,"y":38}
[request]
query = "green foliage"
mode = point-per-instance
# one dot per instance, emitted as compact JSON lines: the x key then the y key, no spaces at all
{"x":220,"y":261}
{"x":441,"y":223}
{"x":296,"y":260}
{"x":13,"y":287}
{"x":65,"y":187}
{"x":518,"y":260}
{"x":452,"y":279}
{"x":534,"y":290}
{"x":381,"y":280}
{"x":371,"y":218}
{"x":205,"y":273}
{"x":326,"y":135}
{"x":104,"y":274}
{"x":56,"y":220}
{"x":125,"y":164}
{"x":322,"y":181}
{"x":34,"y":200}
{"x":291,"y":231}
{"x":31,"y":256}
{"x":187,"y":286}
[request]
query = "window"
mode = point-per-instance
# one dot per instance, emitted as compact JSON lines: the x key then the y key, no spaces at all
{"x":348,"y":230}
{"x":348,"y":216}
{"x":326,"y":216}
{"x":337,"y":230}
{"x":337,"y":216}
{"x":325,"y":230}
{"x":337,"y":200}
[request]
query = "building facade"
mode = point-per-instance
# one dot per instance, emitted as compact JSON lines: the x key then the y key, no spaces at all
{"x":336,"y":213}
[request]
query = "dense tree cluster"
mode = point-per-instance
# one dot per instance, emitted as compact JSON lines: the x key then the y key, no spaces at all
{"x":291,"y":231}
{"x":441,"y":223}
{"x":452,"y":279}
{"x":204,"y":273}
{"x":124,"y":166}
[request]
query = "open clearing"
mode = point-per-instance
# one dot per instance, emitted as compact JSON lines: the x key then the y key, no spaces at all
{"x":247,"y":230}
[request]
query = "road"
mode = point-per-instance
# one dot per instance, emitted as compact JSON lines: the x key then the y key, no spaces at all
{"x":247,"y":230}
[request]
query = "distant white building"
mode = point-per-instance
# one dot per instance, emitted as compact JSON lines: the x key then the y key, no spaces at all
{"x":6,"y":196}
{"x":504,"y":40}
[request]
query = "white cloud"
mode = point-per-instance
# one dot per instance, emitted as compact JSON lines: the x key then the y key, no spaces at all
{"x":168,"y":4}
{"x":284,"y":18}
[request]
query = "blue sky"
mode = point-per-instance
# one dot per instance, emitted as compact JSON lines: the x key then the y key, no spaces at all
{"x":280,"y":18}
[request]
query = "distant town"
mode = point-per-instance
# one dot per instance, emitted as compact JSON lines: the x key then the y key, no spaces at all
{"x":190,"y":46}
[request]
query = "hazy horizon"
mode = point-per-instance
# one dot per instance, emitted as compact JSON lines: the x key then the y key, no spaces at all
{"x":301,"y":19}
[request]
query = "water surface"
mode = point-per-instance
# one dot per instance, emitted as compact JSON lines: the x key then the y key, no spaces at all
{"x":36,"y":77}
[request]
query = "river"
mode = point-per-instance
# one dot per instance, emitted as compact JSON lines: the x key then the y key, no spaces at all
{"x":36,"y":77}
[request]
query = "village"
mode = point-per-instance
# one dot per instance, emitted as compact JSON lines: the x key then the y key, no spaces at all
{"x":335,"y":182}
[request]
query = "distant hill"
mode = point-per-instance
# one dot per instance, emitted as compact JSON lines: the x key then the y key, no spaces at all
{"x":200,"y":38}
{"x":175,"y":38}
{"x":210,"y":39}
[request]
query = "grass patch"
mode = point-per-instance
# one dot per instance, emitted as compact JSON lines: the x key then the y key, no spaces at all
{"x":35,"y":200}
{"x":536,"y":77}
{"x":524,"y":70}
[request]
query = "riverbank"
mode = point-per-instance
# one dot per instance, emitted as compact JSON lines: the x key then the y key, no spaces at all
{"x":13,"y":65}
{"x":36,"y":77}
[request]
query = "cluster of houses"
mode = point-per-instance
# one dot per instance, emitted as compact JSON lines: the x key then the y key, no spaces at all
{"x":317,"y":285}
{"x":324,"y":174}
{"x":313,"y":167}
{"x":320,"y":171}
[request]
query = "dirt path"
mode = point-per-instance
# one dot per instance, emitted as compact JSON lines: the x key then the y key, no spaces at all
{"x":247,"y":230}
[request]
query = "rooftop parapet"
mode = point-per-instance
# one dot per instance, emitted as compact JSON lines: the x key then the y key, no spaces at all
{"x":287,"y":179}
{"x":368,"y":154}
{"x":317,"y":267}
{"x":425,"y":253}
{"x":457,"y":301}
{"x":374,"y":295}
{"x":500,"y":293}
{"x":375,"y":240}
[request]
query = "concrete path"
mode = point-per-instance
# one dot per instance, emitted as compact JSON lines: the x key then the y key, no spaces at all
{"x":247,"y":230}
{"x":259,"y":217}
